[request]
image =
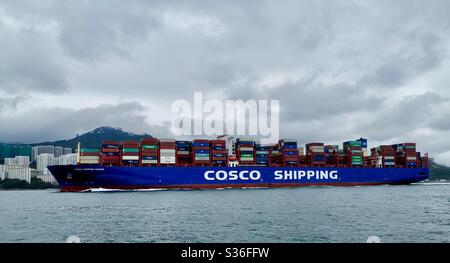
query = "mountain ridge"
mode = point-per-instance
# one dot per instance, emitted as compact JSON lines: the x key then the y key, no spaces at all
{"x":94,"y":138}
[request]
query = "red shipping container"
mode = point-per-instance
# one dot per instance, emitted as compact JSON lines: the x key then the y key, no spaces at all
{"x":108,"y":150}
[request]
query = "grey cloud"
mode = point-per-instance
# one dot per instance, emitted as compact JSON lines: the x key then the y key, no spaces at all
{"x":305,"y":101}
{"x":405,"y":117}
{"x":420,"y":55}
{"x":99,"y":30}
{"x":11,"y":103}
{"x":29,"y":63}
{"x":37,"y":126}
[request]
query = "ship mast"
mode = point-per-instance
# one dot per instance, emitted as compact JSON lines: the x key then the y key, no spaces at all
{"x":78,"y":152}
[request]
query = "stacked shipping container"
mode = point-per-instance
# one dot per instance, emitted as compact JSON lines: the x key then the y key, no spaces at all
{"x":423,"y":160}
{"x":89,"y":156}
{"x":201,"y":152}
{"x":315,"y":154}
{"x":167,"y":152}
{"x":130,"y":153}
{"x":262,"y":154}
{"x":219,"y":153}
{"x":183,"y":153}
{"x":289,"y":152}
{"x":406,"y":155}
{"x":110,"y":153}
{"x":332,"y":155}
{"x":354,"y":154}
{"x":385,"y":155}
{"x":149,"y":151}
{"x":245,"y":151}
{"x":276,"y":158}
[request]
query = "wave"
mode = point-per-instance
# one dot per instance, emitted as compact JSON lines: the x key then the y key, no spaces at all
{"x":107,"y":190}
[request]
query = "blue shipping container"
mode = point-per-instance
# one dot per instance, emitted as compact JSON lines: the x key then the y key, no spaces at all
{"x":201,"y":151}
{"x":319,"y":158}
{"x":218,"y":148}
{"x":200,"y":144}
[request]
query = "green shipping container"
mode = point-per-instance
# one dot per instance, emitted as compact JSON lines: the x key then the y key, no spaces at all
{"x":247,"y":155}
{"x":130,"y":150}
{"x":354,"y":144}
{"x":149,"y":146}
{"x":202,"y":155}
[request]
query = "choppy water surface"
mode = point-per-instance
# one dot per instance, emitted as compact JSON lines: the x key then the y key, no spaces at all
{"x":415,"y":213}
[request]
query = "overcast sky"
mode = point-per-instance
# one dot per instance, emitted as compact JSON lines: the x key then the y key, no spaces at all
{"x":341,"y":69}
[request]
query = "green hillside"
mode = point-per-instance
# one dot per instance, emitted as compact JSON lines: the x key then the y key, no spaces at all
{"x":438,"y":172}
{"x":93,"y":139}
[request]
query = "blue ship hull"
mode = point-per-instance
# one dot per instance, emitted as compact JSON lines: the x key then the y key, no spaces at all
{"x":84,"y":177}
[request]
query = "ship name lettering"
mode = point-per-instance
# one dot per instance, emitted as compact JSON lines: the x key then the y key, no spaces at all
{"x":232,"y":175}
{"x":308,"y":175}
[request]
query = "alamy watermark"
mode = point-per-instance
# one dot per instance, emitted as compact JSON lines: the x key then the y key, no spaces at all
{"x":232,"y":117}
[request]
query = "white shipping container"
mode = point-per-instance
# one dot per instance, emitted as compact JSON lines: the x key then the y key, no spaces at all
{"x":389,"y":157}
{"x":89,"y":159}
{"x":317,"y":147}
{"x":149,"y":161}
{"x":246,"y":148}
{"x":301,"y":151}
{"x":130,"y":158}
{"x":85,"y":162}
{"x":167,"y":151}
{"x":167,"y":140}
{"x":167,"y":159}
{"x":365,"y":152}
{"x":201,"y":158}
{"x":183,"y":152}
{"x":168,"y":154}
{"x":413,"y":158}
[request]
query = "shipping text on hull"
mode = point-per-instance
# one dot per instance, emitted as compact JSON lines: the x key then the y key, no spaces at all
{"x":221,"y":163}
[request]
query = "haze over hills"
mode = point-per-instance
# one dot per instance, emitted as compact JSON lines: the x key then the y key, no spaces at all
{"x":94,"y":138}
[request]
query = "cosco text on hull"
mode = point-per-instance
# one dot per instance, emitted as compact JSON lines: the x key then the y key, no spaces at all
{"x":255,"y":175}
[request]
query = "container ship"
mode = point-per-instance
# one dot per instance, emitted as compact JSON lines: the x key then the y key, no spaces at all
{"x":238,"y":163}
